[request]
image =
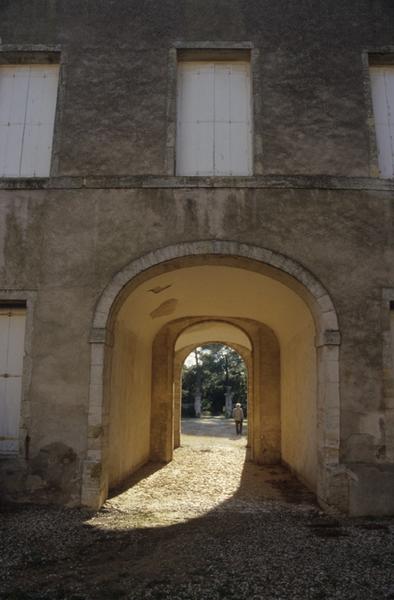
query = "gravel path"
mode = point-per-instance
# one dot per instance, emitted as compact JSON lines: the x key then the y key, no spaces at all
{"x":207,"y":526}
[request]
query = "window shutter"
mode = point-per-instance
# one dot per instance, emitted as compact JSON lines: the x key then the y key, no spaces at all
{"x":232,"y":119}
{"x":14,"y":84}
{"x":195,"y":119}
{"x":27,"y":114}
{"x":214,"y":119}
{"x":12,"y":337}
{"x":382,"y":84}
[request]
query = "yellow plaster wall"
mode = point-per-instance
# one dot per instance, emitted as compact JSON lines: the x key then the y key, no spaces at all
{"x":129,"y":429}
{"x":299,"y":409}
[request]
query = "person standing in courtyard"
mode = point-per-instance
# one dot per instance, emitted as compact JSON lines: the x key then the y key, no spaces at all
{"x":238,"y":416}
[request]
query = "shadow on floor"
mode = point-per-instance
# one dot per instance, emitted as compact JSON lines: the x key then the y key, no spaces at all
{"x":251,"y":544}
{"x":143,"y":473}
{"x":263,"y":543}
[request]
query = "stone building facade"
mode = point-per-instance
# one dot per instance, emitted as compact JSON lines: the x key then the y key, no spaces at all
{"x":118,"y":262}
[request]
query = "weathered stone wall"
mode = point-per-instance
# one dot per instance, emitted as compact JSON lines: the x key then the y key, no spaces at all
{"x":69,"y":244}
{"x":312,"y":114}
{"x":66,"y":238}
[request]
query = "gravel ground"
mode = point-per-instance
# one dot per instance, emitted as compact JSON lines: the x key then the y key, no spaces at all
{"x":207,"y":526}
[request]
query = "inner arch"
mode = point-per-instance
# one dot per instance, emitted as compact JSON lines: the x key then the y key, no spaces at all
{"x":205,"y":332}
{"x":201,"y":333}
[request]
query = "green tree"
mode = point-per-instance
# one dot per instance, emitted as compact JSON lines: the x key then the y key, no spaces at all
{"x":212,"y":368}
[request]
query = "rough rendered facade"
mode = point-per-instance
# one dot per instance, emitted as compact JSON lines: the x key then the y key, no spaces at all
{"x":121,"y":265}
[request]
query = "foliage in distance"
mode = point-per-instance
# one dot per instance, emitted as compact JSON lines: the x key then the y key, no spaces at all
{"x":212,"y":369}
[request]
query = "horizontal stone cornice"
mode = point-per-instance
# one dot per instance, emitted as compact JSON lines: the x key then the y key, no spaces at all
{"x":315,"y":182}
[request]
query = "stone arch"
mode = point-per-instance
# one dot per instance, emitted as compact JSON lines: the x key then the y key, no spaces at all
{"x":317,"y":297}
{"x":330,"y":487}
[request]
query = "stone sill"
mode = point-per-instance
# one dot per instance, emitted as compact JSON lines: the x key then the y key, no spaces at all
{"x":323,"y":182}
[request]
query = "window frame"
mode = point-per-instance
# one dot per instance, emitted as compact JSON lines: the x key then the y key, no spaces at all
{"x":212,"y":51}
{"x":40,"y":55}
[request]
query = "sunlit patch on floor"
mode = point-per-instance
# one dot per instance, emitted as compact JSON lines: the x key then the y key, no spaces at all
{"x":209,"y":474}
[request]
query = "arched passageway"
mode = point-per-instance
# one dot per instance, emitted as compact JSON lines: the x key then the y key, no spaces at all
{"x":161,"y":304}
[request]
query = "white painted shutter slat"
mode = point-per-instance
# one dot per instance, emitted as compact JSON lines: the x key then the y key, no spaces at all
{"x":13,"y":87}
{"x":204,"y":135}
{"x":12,"y":336}
{"x":12,"y":151}
{"x":36,"y":96}
{"x":203,"y":109}
{"x":240,"y":151}
{"x":37,"y":148}
{"x":232,"y":122}
{"x":389,"y":81}
{"x":14,"y":83}
{"x":4,"y":336}
{"x":40,"y":116}
{"x":196,"y":154}
{"x":222,"y":148}
{"x":382,"y":85}
{"x":3,"y":148}
{"x":6,"y":93}
{"x":16,"y":344}
{"x":200,"y":135}
{"x":28,"y":97}
{"x":43,"y":94}
{"x":240,"y":93}
{"x":222,"y":119}
{"x":222,"y":92}
{"x":19,"y":85}
{"x":379,"y":96}
{"x":181,"y":156}
{"x":186,"y":151}
{"x":30,"y":150}
{"x":52,"y":87}
{"x":10,"y":394}
{"x":241,"y":129}
{"x":195,"y":120}
{"x":384,"y":150}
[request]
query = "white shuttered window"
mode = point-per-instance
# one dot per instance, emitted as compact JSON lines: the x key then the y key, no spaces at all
{"x":28,"y":96}
{"x":382,"y":82}
{"x":12,"y":340}
{"x":214,"y":127}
